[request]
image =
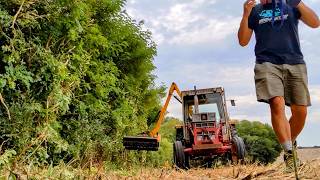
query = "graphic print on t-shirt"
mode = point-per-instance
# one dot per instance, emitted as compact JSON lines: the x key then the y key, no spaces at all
{"x":266,"y":16}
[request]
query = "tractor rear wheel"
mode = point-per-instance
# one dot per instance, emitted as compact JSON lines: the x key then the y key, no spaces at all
{"x":181,"y":160}
{"x":238,"y":149}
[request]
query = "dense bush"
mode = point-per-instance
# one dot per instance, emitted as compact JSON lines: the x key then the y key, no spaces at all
{"x":75,"y":76}
{"x":261,"y":142}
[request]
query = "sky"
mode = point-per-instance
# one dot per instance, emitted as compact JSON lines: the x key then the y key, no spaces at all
{"x":197,"y":45}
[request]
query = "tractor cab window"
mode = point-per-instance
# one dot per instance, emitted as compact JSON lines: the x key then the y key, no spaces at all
{"x":210,"y":108}
{"x":208,"y":103}
{"x":207,"y":108}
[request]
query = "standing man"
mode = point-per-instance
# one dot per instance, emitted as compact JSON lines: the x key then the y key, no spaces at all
{"x":280,"y":70}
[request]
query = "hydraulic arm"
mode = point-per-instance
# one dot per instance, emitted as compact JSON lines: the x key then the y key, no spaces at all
{"x":163,"y":111}
{"x":150,"y":140}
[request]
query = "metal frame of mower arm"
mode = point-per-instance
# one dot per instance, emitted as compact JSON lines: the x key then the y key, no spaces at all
{"x":173,"y":88}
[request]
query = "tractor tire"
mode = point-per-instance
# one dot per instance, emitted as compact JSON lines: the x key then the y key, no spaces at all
{"x":238,"y":149}
{"x":179,"y":134}
{"x":181,"y":160}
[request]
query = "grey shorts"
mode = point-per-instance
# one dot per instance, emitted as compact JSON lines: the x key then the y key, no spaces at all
{"x":288,"y":81}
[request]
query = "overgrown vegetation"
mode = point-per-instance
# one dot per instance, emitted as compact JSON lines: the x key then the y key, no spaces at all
{"x":261,"y":142}
{"x":164,"y":157}
{"x":75,"y":77}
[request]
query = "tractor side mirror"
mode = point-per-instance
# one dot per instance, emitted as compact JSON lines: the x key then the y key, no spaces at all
{"x":233,"y":102}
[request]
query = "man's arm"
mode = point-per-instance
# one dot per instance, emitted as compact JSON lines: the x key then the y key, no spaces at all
{"x":245,"y":33}
{"x":308,"y":16}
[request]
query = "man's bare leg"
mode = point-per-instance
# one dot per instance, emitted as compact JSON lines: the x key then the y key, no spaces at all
{"x":297,"y":120}
{"x":280,"y":123}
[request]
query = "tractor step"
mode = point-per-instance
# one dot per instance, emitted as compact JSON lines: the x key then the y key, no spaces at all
{"x":141,"y":143}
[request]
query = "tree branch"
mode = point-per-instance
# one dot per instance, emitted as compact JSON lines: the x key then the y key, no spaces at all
{"x":4,"y":104}
{"x":16,"y":15}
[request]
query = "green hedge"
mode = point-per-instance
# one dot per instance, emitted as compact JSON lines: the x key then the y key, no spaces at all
{"x":75,"y":77}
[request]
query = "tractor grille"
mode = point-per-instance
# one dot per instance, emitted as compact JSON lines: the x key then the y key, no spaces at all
{"x":209,"y":136}
{"x":205,"y":124}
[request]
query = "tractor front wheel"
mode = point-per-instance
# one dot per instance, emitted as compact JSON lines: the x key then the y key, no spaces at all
{"x":181,"y":160}
{"x":238,"y":149}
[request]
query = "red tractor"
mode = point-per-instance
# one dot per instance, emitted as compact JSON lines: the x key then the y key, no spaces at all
{"x":206,"y":133}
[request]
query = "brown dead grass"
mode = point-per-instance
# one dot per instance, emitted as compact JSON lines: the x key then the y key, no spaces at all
{"x":309,"y":170}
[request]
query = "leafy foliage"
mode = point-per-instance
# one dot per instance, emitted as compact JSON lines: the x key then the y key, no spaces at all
{"x":6,"y":159}
{"x":164,"y":157}
{"x":261,"y":142}
{"x":75,"y":76}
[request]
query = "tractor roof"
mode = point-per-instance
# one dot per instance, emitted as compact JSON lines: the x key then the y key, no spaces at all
{"x":202,"y":91}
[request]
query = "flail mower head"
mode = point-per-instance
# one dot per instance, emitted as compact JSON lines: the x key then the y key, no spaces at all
{"x":142,"y":142}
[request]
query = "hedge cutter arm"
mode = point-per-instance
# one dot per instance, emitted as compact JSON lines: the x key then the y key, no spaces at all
{"x":150,"y":140}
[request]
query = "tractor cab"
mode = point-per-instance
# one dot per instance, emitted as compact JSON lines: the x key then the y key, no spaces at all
{"x":205,"y":118}
{"x":206,"y":131}
{"x":204,"y":112}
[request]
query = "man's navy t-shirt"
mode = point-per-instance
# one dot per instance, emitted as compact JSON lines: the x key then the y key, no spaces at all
{"x":274,"y":45}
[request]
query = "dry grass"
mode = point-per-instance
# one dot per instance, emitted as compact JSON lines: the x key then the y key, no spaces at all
{"x":310,"y":170}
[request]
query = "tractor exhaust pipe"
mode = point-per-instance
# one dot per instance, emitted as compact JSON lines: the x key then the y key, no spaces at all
{"x":196,"y":101}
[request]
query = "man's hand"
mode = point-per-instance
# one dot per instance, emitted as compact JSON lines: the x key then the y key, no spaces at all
{"x":265,"y":1}
{"x":245,"y":33}
{"x":247,"y":7}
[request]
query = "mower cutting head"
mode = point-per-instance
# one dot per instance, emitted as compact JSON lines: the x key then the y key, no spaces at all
{"x":141,"y":143}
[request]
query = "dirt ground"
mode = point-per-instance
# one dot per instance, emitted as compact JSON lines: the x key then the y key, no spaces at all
{"x":308,"y":154}
{"x":305,"y":154}
{"x":309,"y":170}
